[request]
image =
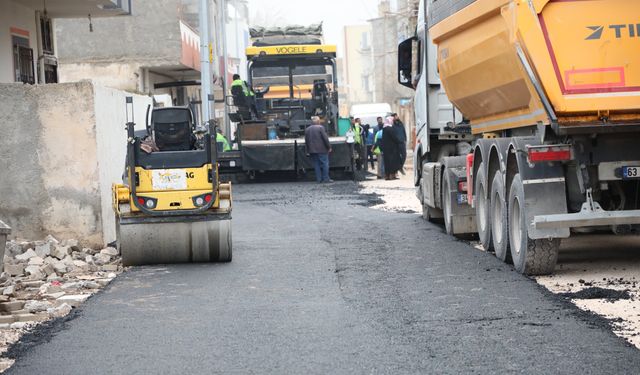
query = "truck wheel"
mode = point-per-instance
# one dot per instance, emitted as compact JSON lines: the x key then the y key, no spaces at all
{"x":446,"y":205}
{"x":483,"y":223}
{"x":499,"y":222}
{"x":530,"y":257}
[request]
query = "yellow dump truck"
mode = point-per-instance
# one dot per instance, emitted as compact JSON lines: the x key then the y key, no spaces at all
{"x":538,"y":136}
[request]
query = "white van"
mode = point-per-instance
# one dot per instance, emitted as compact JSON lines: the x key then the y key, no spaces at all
{"x":368,"y":113}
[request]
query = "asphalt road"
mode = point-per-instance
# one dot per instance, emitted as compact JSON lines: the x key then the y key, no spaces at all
{"x":322,"y":284}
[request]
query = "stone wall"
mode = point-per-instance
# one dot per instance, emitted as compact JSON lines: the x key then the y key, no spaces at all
{"x":62,"y":147}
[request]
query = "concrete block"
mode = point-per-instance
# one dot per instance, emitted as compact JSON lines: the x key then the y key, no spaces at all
{"x":11,"y":306}
{"x":36,"y":261}
{"x":60,"y":311}
{"x":47,"y":269}
{"x":24,"y":257}
{"x":14,"y":269}
{"x":110,"y":267}
{"x":36,"y":306}
{"x":74,"y":300}
{"x":9,"y":291}
{"x":43,"y":250}
{"x":110,"y":251}
{"x":39,"y":317}
{"x":61,"y":252}
{"x":101,"y":259}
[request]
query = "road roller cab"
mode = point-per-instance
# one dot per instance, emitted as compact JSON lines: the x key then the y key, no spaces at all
{"x":171,"y":207}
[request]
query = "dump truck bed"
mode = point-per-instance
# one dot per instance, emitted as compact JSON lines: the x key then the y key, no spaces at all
{"x":508,"y":63}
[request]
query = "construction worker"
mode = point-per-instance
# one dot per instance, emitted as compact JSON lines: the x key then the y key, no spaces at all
{"x":221,"y":142}
{"x":249,"y":95}
{"x":359,"y":143}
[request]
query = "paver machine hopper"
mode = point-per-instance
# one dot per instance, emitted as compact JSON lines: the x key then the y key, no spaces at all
{"x":171,"y":206}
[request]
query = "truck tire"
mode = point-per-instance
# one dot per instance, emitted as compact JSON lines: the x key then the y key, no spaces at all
{"x":499,"y":222}
{"x":446,"y":205}
{"x":530,"y":257}
{"x":483,"y":205}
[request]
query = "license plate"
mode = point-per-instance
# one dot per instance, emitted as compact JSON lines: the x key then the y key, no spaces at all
{"x":631,"y":172}
{"x":462,"y":198}
{"x":169,"y":179}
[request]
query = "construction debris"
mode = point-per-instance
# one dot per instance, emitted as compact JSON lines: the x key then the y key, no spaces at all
{"x":44,"y":280}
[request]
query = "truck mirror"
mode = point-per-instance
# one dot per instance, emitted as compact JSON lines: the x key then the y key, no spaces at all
{"x":405,"y":58}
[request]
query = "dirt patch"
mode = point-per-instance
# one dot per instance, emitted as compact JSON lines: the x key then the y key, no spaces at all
{"x":599,"y":293}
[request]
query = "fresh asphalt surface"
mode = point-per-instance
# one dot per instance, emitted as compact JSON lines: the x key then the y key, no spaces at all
{"x":322,"y":284}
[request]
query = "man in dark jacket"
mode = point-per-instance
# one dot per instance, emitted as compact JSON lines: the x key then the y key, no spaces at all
{"x":402,"y":134}
{"x":318,"y":148}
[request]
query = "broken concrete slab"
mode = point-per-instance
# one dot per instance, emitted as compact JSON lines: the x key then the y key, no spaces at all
{"x":43,"y":250}
{"x":14,"y":269}
{"x":38,"y":317}
{"x":47,"y":269}
{"x":110,"y":251}
{"x":34,"y":272}
{"x":52,"y":240}
{"x":24,"y":257}
{"x":37,"y":260}
{"x":101,"y":259}
{"x":61,"y":252}
{"x":35,"y":306}
{"x":11,"y":306}
{"x":110,"y":267}
{"x":73,"y":299}
{"x":60,"y":311}
{"x":9,"y":291}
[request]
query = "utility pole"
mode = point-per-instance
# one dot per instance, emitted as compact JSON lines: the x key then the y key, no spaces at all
{"x":225,"y":62}
{"x":205,"y":61}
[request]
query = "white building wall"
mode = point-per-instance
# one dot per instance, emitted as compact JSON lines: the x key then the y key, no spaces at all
{"x":63,"y":146}
{"x":111,"y":141}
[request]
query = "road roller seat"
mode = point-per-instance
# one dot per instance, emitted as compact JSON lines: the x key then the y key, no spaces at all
{"x":172,"y":128}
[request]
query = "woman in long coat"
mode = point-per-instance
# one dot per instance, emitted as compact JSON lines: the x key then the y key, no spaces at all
{"x":391,"y":149}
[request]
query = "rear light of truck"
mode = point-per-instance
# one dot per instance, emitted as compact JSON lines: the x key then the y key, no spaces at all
{"x":469,"y":166}
{"x":547,"y":153}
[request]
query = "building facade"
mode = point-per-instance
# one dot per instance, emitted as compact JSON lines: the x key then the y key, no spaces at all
{"x":28,"y":46}
{"x":391,"y":27}
{"x":358,"y":73}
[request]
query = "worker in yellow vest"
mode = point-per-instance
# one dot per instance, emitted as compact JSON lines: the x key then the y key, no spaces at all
{"x":221,"y":142}
{"x":249,"y":95}
{"x":359,"y":146}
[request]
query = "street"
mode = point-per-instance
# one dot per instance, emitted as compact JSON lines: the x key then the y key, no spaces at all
{"x":322,"y":283}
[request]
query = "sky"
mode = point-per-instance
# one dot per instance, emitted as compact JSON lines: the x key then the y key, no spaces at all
{"x":334,"y":14}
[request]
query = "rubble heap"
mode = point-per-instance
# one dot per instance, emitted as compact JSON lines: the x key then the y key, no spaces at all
{"x":46,"y":279}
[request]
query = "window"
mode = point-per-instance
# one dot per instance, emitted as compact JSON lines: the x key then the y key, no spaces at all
{"x":364,"y":41}
{"x":365,"y":83}
{"x":47,"y":35}
{"x":23,"y":60}
{"x":419,"y":58}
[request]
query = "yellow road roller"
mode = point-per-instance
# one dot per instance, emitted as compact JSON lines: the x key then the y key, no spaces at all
{"x":171,"y":206}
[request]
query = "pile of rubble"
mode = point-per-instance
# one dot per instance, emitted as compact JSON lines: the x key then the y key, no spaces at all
{"x":47,"y":279}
